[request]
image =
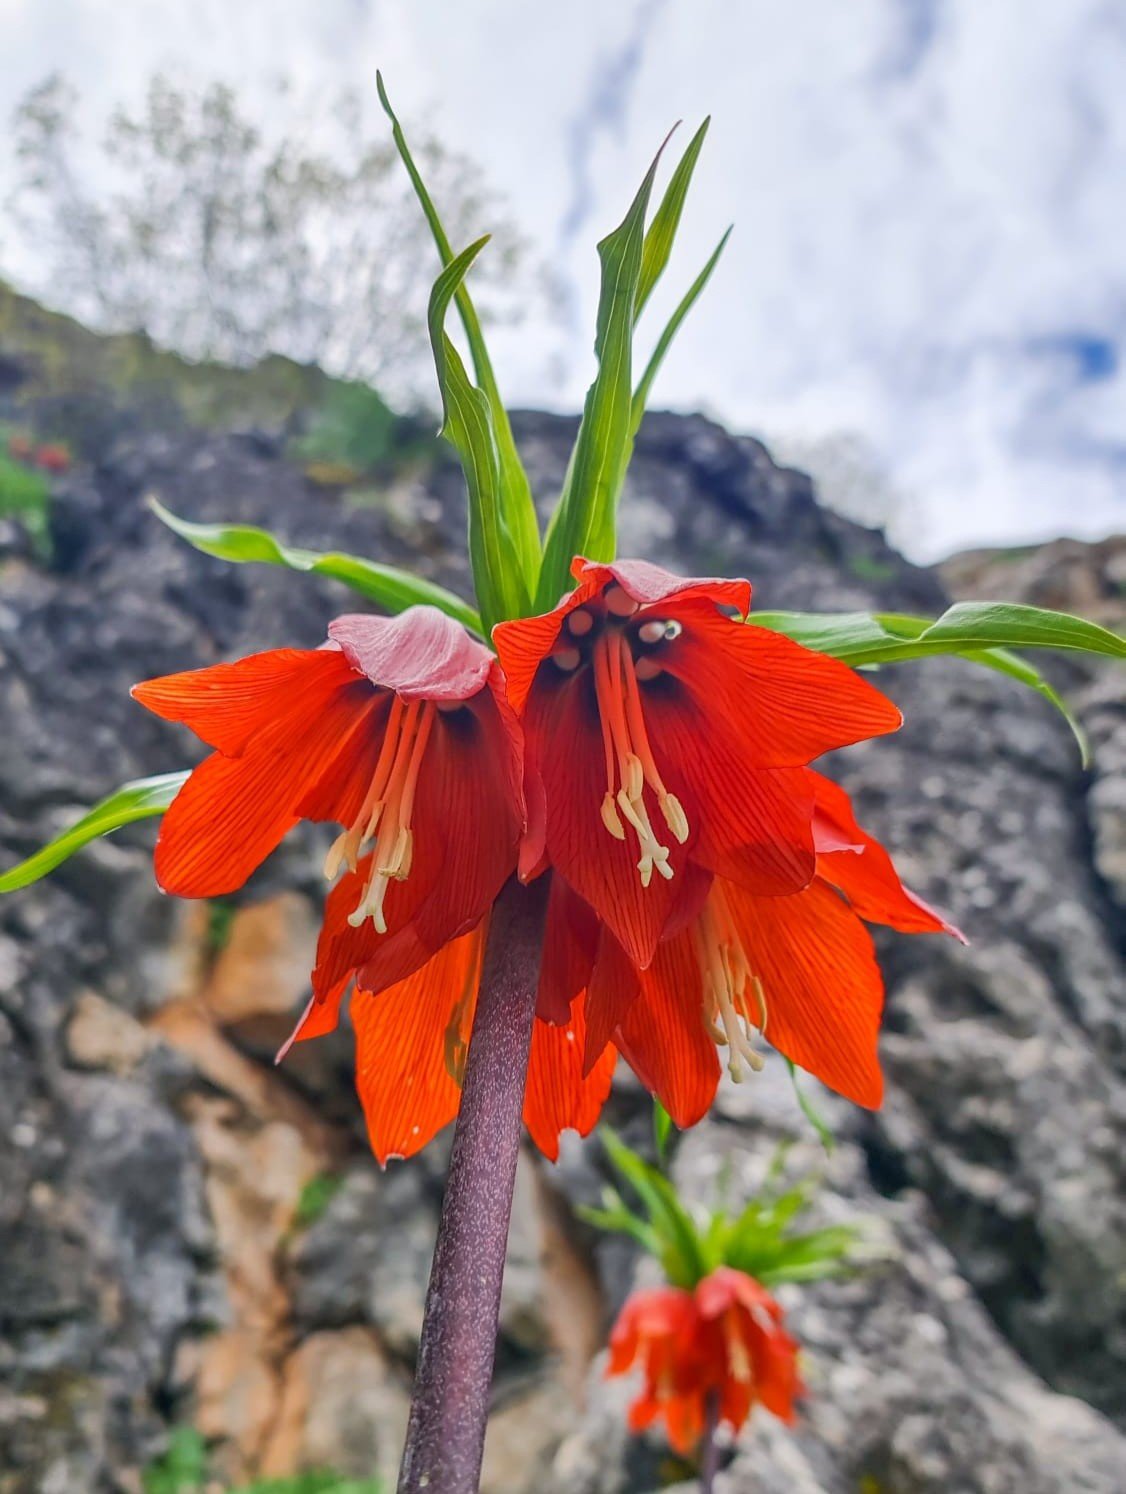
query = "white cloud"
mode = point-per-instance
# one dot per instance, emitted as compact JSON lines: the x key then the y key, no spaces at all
{"x":928,"y":196}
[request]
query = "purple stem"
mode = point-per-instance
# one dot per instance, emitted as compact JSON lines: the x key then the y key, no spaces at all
{"x":709,"y":1450}
{"x":446,"y":1432}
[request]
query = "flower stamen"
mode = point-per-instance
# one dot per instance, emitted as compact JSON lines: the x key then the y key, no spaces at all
{"x":734,"y":1000}
{"x":385,"y":815}
{"x":630,"y":766}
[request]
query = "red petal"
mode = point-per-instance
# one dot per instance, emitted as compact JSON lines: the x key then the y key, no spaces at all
{"x":233,"y":812}
{"x":663,"y":1038}
{"x":751,"y":824}
{"x":468,"y":819}
{"x":421,"y":654}
{"x":383,"y":959}
{"x":226,"y":704}
{"x":402,"y":1076}
{"x":564,"y":746}
{"x":614,"y":986}
{"x":866,"y":874}
{"x":823,"y":988}
{"x":320,"y":1017}
{"x":569,"y":946}
{"x":788,"y":703}
{"x":558,"y":1096}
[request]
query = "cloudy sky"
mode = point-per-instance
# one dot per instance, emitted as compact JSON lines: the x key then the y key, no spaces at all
{"x":929,"y":199}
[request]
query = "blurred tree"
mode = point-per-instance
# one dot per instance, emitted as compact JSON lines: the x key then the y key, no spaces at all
{"x":192,"y":223}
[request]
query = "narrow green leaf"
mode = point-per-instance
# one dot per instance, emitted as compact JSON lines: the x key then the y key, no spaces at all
{"x":502,"y":585}
{"x":516,"y":493}
{"x":137,"y":800}
{"x":681,"y":1254}
{"x":664,"y":342}
{"x":391,"y":588}
{"x":661,"y":232}
{"x":584,"y":522}
{"x":662,"y":1128}
{"x":810,"y":1111}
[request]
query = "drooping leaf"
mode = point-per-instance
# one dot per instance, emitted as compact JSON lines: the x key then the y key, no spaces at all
{"x":139,"y":799}
{"x":503,"y":588}
{"x":662,"y":1129}
{"x":515,"y":492}
{"x":661,"y":233}
{"x":584,"y":522}
{"x":386,"y":585}
{"x":985,"y":633}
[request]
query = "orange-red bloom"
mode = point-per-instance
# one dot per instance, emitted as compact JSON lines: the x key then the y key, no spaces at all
{"x":644,"y":704}
{"x":399,"y":731}
{"x":720,"y":1346}
{"x":670,"y":738}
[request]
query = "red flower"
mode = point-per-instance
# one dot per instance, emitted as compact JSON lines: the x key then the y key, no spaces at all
{"x":800,"y":971}
{"x":399,"y":731}
{"x":722,"y":1345}
{"x":670,"y":739}
{"x":53,"y":458}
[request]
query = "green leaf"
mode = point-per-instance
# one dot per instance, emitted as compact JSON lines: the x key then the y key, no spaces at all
{"x":137,"y":800}
{"x":662,"y":1128}
{"x":664,"y":342}
{"x":982,"y":632}
{"x":584,"y":522}
{"x":810,"y":1111}
{"x":680,"y":1251}
{"x":502,"y":585}
{"x":516,"y":494}
{"x":660,"y":234}
{"x":386,"y":585}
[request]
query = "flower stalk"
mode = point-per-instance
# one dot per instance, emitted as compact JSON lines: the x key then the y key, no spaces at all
{"x":446,"y":1432}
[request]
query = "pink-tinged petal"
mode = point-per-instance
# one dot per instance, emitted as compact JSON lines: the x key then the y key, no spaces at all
{"x":559,"y":1096}
{"x":663,"y":1038}
{"x":233,"y":812}
{"x":405,"y":1038}
{"x":650,"y":585}
{"x":787,"y":703}
{"x":421,"y":654}
{"x":823,"y":988}
{"x":226,"y":704}
{"x":859,"y":866}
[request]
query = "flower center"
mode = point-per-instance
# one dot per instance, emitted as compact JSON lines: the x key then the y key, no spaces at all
{"x":630,"y":767}
{"x":385,"y":815}
{"x":734,"y":1000}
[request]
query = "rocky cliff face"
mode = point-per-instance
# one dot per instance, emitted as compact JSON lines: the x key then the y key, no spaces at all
{"x":190,"y":1236}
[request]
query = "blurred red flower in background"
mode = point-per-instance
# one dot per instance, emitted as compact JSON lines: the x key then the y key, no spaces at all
{"x":707,"y":1355}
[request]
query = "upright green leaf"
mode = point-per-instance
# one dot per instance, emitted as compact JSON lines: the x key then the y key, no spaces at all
{"x":664,"y":342}
{"x":515,"y":491}
{"x":139,"y":799}
{"x":661,"y":232}
{"x":391,"y":588}
{"x":503,"y":587}
{"x":584,"y":523}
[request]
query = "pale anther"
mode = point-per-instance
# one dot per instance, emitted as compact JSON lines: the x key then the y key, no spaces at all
{"x":652,"y":631}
